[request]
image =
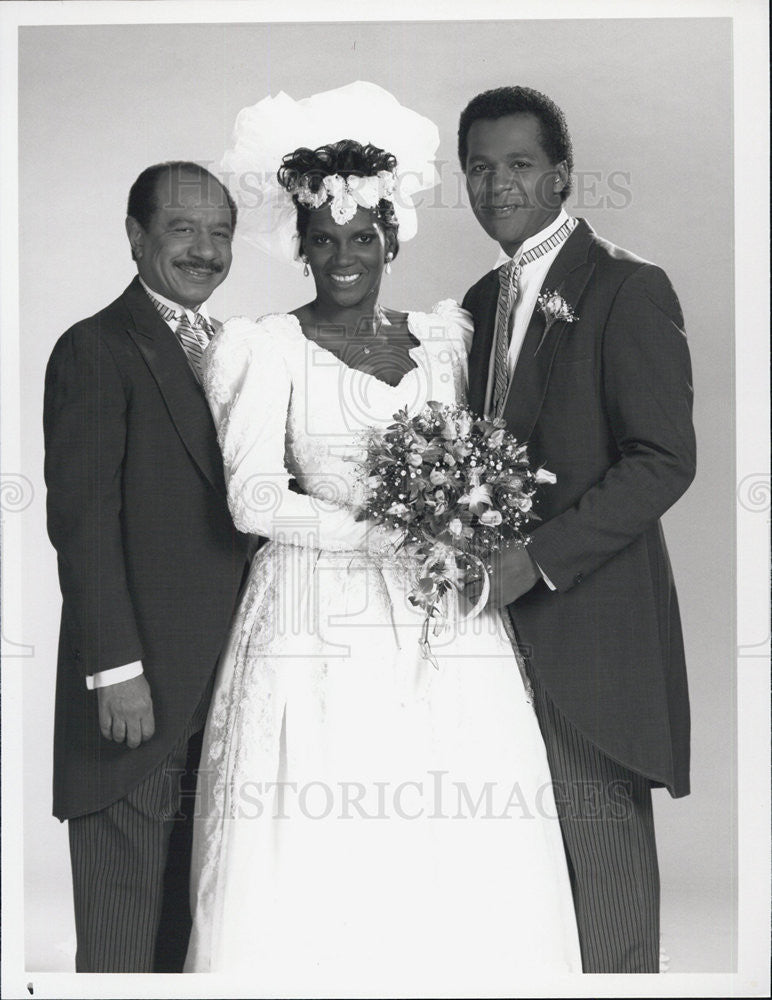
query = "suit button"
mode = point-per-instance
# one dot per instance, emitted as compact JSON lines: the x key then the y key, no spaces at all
{"x":578,"y":578}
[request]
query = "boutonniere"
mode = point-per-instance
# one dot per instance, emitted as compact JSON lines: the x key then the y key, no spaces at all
{"x":554,"y":309}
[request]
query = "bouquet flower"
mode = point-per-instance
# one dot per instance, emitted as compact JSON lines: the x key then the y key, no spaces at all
{"x":460,"y":487}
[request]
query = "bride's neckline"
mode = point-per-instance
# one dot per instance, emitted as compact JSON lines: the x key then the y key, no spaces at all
{"x":359,"y":371}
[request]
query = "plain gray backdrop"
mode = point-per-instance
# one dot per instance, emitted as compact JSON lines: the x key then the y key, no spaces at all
{"x":650,"y":108}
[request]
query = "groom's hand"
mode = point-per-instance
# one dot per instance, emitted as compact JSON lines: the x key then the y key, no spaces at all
{"x":126,"y":712}
{"x":512,"y":574}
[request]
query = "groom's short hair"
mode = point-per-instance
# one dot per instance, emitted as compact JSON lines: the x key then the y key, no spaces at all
{"x":143,"y":196}
{"x":553,"y":129}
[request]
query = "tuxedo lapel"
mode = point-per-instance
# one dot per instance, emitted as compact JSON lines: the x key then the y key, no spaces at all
{"x":479,"y":356}
{"x":181,"y":392}
{"x":568,"y":275}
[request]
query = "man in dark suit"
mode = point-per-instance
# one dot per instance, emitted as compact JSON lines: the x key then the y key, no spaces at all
{"x":149,"y":566}
{"x":596,"y":378}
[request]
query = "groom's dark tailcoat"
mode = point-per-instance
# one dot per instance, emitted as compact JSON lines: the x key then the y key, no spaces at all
{"x":149,"y":561}
{"x":604,"y":403}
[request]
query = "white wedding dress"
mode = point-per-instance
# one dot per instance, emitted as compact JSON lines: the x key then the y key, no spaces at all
{"x":367,"y":825}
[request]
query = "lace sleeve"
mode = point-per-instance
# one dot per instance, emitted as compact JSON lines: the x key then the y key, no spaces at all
{"x":248,"y":379}
{"x":460,"y":323}
{"x":459,"y":330}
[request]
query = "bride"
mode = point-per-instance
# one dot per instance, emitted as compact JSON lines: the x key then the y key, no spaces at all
{"x":367,"y":824}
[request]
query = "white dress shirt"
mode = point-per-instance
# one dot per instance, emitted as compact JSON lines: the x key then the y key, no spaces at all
{"x":115,"y":675}
{"x":531,"y":279}
{"x":529,"y":286}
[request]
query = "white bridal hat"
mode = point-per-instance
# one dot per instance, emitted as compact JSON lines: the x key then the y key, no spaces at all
{"x":275,"y":126}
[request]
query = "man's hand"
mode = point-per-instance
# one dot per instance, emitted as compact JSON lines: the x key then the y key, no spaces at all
{"x":513,"y":573}
{"x":126,"y":712}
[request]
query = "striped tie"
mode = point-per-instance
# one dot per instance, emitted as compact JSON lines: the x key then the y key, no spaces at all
{"x":194,"y":339}
{"x":509,"y":282}
{"x":509,"y":277}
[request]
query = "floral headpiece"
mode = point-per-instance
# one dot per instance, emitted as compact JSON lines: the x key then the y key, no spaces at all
{"x":361,"y":111}
{"x":346,"y":193}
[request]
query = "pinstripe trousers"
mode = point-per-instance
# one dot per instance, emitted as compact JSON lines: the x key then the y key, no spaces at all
{"x":606,"y":818}
{"x":131,"y":864}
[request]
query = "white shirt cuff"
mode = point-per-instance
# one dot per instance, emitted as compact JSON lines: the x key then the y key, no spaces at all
{"x":104,"y":678}
{"x":544,"y":576}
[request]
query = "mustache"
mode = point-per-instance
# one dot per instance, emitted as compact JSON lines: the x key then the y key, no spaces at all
{"x":213,"y":266}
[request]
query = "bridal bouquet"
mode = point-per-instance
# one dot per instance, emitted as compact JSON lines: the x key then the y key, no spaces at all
{"x":460,"y":487}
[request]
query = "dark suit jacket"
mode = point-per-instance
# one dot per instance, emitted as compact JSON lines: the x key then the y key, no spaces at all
{"x":149,"y":561}
{"x":605,"y":403}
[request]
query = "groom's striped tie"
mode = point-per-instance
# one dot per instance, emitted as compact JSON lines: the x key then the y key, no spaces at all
{"x":509,"y":278}
{"x":509,"y":288}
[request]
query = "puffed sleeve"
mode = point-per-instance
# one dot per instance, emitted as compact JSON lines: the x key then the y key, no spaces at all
{"x":459,"y":321}
{"x":248,"y":381}
{"x":457,"y":331}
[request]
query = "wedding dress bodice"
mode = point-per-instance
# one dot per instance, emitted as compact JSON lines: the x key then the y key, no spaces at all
{"x":285,"y":406}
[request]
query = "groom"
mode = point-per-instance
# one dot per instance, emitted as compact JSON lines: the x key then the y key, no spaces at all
{"x":596,"y":378}
{"x":149,"y":567}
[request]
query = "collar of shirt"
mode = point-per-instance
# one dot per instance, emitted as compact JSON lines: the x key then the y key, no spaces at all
{"x":529,"y":286}
{"x":202,"y":312}
{"x":533,"y":241}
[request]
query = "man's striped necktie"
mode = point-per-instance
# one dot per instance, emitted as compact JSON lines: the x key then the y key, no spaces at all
{"x":509,"y":282}
{"x":194,"y":338}
{"x":509,"y":287}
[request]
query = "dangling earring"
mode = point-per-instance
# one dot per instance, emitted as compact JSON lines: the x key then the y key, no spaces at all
{"x":389,"y":259}
{"x":306,"y":271}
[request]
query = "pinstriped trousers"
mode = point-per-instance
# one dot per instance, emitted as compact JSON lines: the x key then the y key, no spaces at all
{"x":131,"y":865}
{"x":606,"y":818}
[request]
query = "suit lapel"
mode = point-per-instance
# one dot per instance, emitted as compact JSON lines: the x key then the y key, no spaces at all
{"x":181,"y":392}
{"x":479,"y":356}
{"x":568,"y":275}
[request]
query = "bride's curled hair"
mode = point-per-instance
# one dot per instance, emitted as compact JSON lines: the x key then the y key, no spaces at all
{"x":346,"y":158}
